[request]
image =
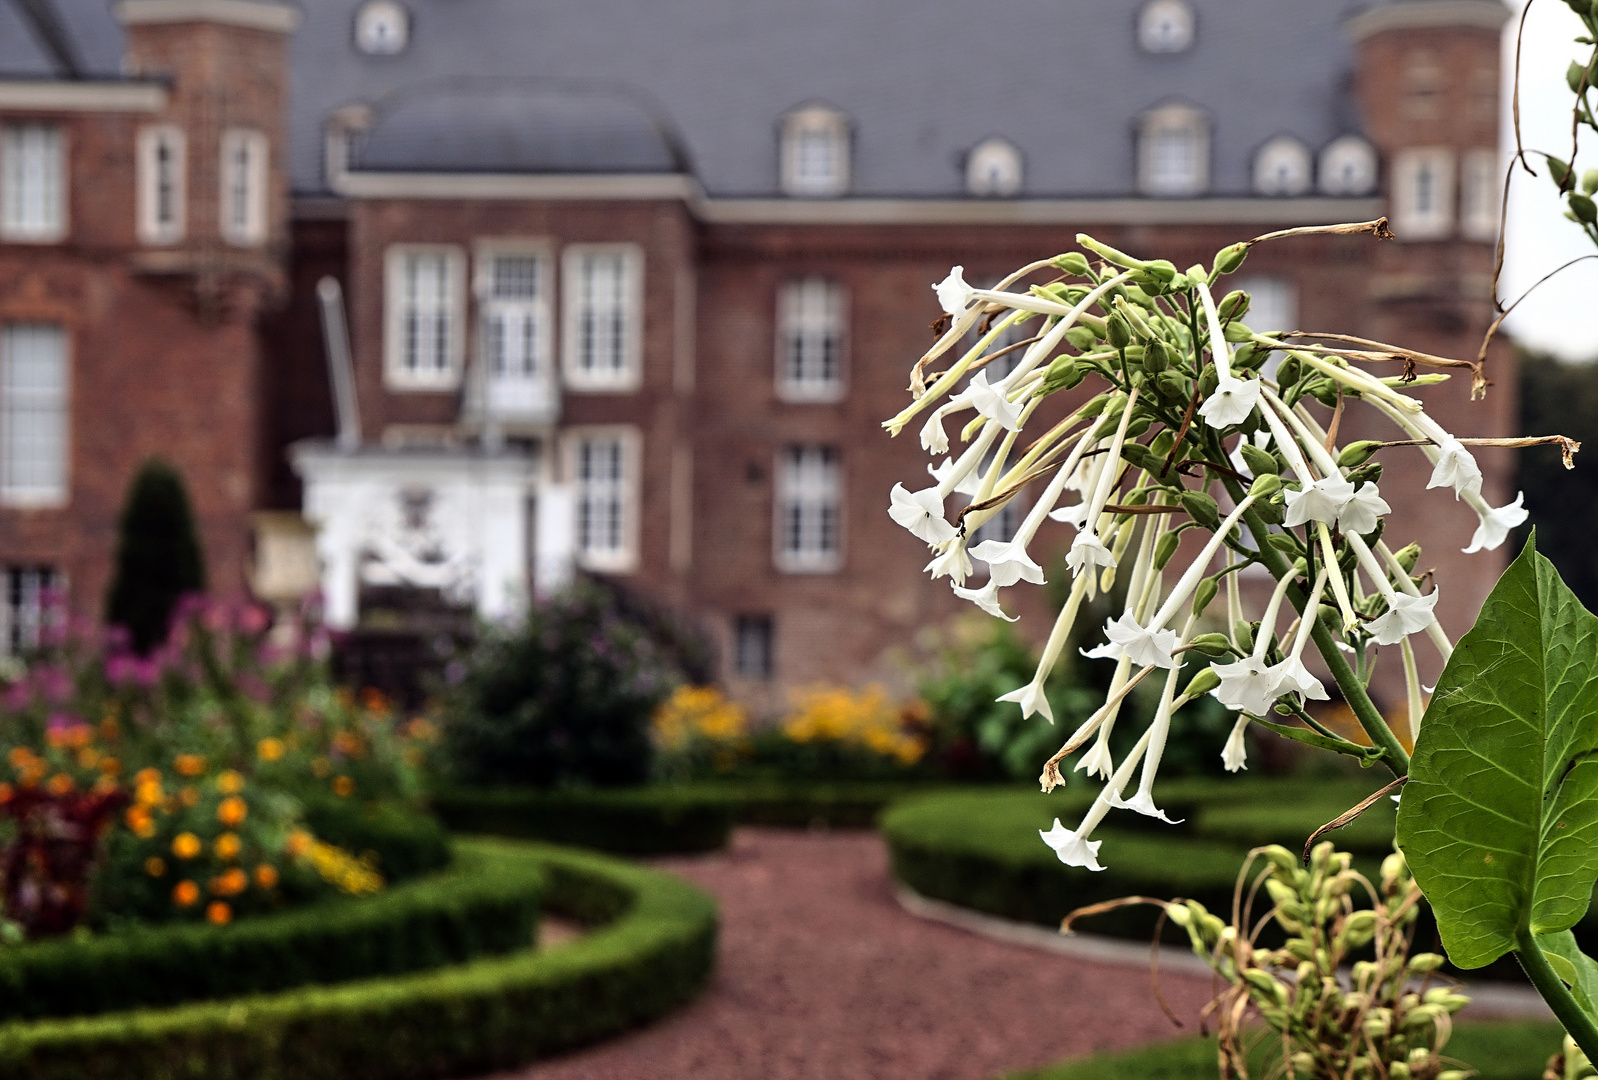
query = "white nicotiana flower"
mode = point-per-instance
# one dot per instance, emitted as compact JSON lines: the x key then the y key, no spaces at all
{"x":1405,"y":615}
{"x":954,"y":295}
{"x":1293,"y":677}
{"x":1231,"y":402}
{"x":1321,"y":501}
{"x":1496,"y":524}
{"x":953,"y":562}
{"x":1455,"y":468}
{"x":1073,"y":848}
{"x":991,"y":402}
{"x":1098,"y":760}
{"x":1088,"y":551}
{"x":986,"y":598}
{"x":1249,"y":685}
{"x":1008,"y":562}
{"x":1032,"y":699}
{"x":1075,"y":516}
{"x":1362,"y":510}
{"x":921,"y":512}
{"x":968,"y":484}
{"x":934,"y":440}
{"x":1159,"y":730}
{"x":1234,"y":755}
{"x":1144,"y":647}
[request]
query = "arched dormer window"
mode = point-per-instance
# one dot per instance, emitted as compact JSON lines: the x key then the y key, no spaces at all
{"x":815,"y":152}
{"x":1348,"y":167}
{"x":1165,"y":26}
{"x":1282,"y":167}
{"x":993,"y":168}
{"x":382,"y":28}
{"x":1173,"y":151}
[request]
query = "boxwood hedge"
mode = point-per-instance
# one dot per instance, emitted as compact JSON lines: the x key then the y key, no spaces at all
{"x":486,"y":904}
{"x":652,"y":948}
{"x":627,"y":821}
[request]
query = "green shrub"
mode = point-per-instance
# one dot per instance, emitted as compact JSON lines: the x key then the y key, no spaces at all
{"x":406,"y":841}
{"x":486,"y":905}
{"x":158,"y":557}
{"x":489,"y":1014}
{"x":642,"y":821}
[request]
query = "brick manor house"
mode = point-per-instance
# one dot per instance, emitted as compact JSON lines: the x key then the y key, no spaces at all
{"x":460,"y":294}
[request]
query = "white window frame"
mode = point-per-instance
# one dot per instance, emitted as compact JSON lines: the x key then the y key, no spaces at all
{"x":33,"y":183}
{"x":812,"y":496}
{"x":1335,"y":159}
{"x":382,"y":28}
{"x":587,"y":491}
{"x":490,"y":306}
{"x":1428,"y":171}
{"x":812,"y":309}
{"x":242,"y":180}
{"x":157,"y":184}
{"x":1165,"y":26}
{"x":1479,"y":197}
{"x":806,"y":133}
{"x":1158,"y":131}
{"x":1283,"y":167}
{"x":38,"y":415}
{"x":994,"y":169}
{"x":23,"y":612}
{"x":397,"y":372}
{"x":579,"y":372}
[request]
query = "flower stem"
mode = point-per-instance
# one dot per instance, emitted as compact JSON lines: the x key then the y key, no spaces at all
{"x":1553,"y":990}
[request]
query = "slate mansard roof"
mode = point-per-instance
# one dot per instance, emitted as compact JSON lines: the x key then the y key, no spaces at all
{"x":701,"y":86}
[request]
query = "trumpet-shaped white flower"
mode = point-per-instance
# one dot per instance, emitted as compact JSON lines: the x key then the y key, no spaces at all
{"x":968,"y":485}
{"x":1075,"y":516}
{"x":1247,"y":685}
{"x":991,"y":402}
{"x":954,"y":562}
{"x":1496,"y":524}
{"x":1008,"y":562}
{"x":1455,"y":468}
{"x":1293,"y":677}
{"x":1362,"y":510}
{"x":1097,"y":761}
{"x":922,"y":513}
{"x":954,"y":295}
{"x":986,"y":598}
{"x":1144,"y":647}
{"x":1087,"y":550}
{"x":1234,"y":755}
{"x":1321,"y":501}
{"x":1032,"y":699}
{"x":1143,"y":803}
{"x":1405,"y":615}
{"x":1231,"y":401}
{"x":1072,"y":848}
{"x":934,"y":440}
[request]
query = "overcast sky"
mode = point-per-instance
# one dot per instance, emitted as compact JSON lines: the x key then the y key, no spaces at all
{"x":1561,"y":316}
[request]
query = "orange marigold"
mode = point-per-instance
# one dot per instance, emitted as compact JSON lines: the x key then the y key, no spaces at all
{"x":19,"y":757}
{"x":155,"y":866}
{"x":61,"y":784}
{"x":6,"y":791}
{"x":139,"y":820}
{"x":229,"y":782}
{"x":185,"y":893}
{"x":110,"y":766}
{"x":230,"y":882}
{"x":147,"y":776}
{"x":218,"y":913}
{"x":299,"y":842}
{"x":269,"y":749}
{"x":186,"y":845}
{"x":343,"y":786}
{"x":148,"y":792}
{"x":266,"y":875}
{"x":227,"y":846}
{"x":189,"y":764}
{"x":190,"y":795}
{"x":232,"y":810}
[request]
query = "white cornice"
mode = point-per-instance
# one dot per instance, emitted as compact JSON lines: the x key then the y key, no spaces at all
{"x":253,"y":14}
{"x":63,"y":96}
{"x":1428,"y":14}
{"x":596,"y":186}
{"x":1034,"y":211}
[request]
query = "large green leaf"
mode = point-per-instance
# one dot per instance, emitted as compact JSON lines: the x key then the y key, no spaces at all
{"x":1576,"y":968}
{"x":1499,"y":820}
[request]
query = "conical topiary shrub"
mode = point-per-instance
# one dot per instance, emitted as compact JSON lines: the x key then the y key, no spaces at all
{"x":158,"y":557}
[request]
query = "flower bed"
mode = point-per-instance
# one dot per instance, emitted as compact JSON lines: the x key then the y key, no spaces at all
{"x":652,"y":949}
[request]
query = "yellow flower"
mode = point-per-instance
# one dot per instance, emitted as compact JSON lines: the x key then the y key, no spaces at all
{"x":230,"y":882}
{"x":155,"y":866}
{"x":61,"y":784}
{"x":231,"y":811}
{"x":299,"y":842}
{"x":139,"y":820}
{"x":88,"y":757}
{"x":229,"y":782}
{"x":148,"y":792}
{"x":186,"y":845}
{"x":147,"y":776}
{"x":269,"y":749}
{"x":189,"y":764}
{"x":266,"y":875}
{"x":185,"y":893}
{"x":698,"y":712}
{"x":227,"y":846}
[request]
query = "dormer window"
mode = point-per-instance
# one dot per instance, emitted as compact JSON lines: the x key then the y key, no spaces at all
{"x":815,"y":152}
{"x":1165,"y":26}
{"x":1348,"y":167}
{"x":1174,"y":152}
{"x":382,"y":28}
{"x":993,"y":169}
{"x":1282,"y":167}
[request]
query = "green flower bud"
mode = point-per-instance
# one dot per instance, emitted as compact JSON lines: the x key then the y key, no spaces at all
{"x":1180,"y":915}
{"x":1202,"y":683}
{"x":1589,"y":181}
{"x":1378,"y":1023}
{"x":1288,"y":544}
{"x":1202,"y":509}
{"x":1237,"y":333}
{"x":1249,"y":356}
{"x":1323,"y":391}
{"x":1265,"y":485}
{"x":1371,"y":471}
{"x":1243,"y":635}
{"x":1120,"y":331}
{"x":1164,"y":548}
{"x":1359,"y":928}
{"x":1397,"y":1070}
{"x":1140,"y":456}
{"x":1259,"y":460}
{"x":1173,"y":385}
{"x":1180,"y":283}
{"x":1209,"y":379}
{"x":1064,"y":373}
{"x":1558,"y":172}
{"x":1163,"y":442}
{"x":1097,"y":405}
{"x":1072,"y":262}
{"x":1196,"y":272}
{"x":1263,"y":984}
{"x":1575,"y":75}
{"x":1156,"y":358}
{"x":1234,"y":305}
{"x":1081,"y":338}
{"x":1228,"y":259}
{"x":1408,"y":556}
{"x":1210,"y":644}
{"x":1357,"y":453}
{"x":1203,"y":595}
{"x":1134,"y":317}
{"x":1424,"y":963}
{"x":1109,"y":254}
{"x":1159,"y":272}
{"x":1583,"y":208}
{"x":1287,"y":371}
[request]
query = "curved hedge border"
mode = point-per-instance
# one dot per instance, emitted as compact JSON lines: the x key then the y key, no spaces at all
{"x":632,"y":821}
{"x":655,"y":952}
{"x":484,"y":905}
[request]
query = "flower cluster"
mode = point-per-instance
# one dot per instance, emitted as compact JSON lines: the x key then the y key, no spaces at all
{"x":863,"y":719}
{"x":1200,"y":423}
{"x":698,"y":712}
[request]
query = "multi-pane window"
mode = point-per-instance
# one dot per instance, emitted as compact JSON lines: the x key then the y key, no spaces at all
{"x":602,"y":464}
{"x":1173,"y":152}
{"x":424,"y":334}
{"x":1423,"y":193}
{"x":514,"y":291}
{"x":815,"y":152}
{"x":809,"y":509}
{"x":603,"y":298}
{"x":161,"y":183}
{"x":1348,"y":167}
{"x":33,"y":198}
{"x":242,"y":206}
{"x":752,"y":641}
{"x":31,"y":604}
{"x":810,"y":320}
{"x":33,"y":414}
{"x":1478,"y":194}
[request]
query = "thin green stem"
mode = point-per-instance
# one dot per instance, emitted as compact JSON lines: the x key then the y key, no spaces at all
{"x":1553,"y":990}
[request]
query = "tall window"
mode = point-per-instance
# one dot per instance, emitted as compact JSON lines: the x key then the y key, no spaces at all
{"x":1478,"y":194}
{"x":30,"y":605}
{"x":809,"y":510}
{"x":514,"y":290}
{"x":603,"y":464}
{"x":33,"y":415}
{"x":604,"y":316}
{"x":161,"y":183}
{"x":1423,"y":193}
{"x":242,"y":203}
{"x":1174,"y":152}
{"x":424,"y":297}
{"x":33,"y":198}
{"x":815,"y":152}
{"x":752,"y":646}
{"x":810,"y":320}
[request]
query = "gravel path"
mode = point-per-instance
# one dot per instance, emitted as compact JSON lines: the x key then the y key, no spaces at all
{"x":822,"y":975}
